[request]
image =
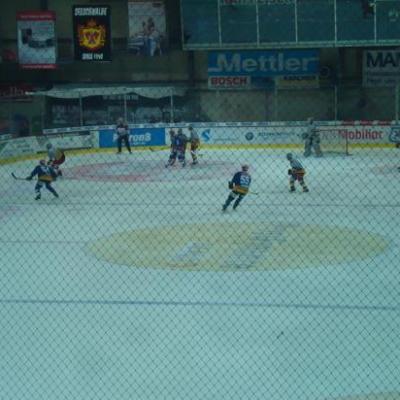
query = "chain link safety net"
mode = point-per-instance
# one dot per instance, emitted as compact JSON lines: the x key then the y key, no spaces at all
{"x":201,"y":241}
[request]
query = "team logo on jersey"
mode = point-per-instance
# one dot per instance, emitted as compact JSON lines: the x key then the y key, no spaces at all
{"x":92,"y":36}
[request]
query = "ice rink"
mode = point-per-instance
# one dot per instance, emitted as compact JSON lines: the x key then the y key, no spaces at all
{"x":134,"y":285}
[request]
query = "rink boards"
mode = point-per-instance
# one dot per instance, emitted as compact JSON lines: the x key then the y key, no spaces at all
{"x":276,"y":134}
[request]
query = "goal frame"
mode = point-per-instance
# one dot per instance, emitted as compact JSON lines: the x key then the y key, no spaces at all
{"x":339,"y":141}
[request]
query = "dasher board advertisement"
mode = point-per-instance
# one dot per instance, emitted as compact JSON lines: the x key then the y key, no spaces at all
{"x":147,"y":28}
{"x":36,"y":39}
{"x":92,"y":33}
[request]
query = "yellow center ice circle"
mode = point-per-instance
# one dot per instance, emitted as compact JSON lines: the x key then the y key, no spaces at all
{"x":229,"y":246}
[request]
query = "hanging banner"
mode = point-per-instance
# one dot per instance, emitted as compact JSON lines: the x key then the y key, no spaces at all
{"x":92,"y":33}
{"x":147,"y":28}
{"x":36,"y":39}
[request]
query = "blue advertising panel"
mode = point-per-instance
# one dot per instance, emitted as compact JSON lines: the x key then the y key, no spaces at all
{"x":263,"y":63}
{"x":137,"y":137}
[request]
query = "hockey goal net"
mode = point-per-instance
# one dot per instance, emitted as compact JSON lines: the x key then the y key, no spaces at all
{"x":334,"y":140}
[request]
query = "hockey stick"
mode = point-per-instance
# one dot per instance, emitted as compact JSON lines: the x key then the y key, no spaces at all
{"x":255,"y":193}
{"x":17,"y":177}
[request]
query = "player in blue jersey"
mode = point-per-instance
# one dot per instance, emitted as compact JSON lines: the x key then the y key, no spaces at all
{"x":240,"y":185}
{"x":178,"y":148}
{"x":296,"y":173}
{"x":181,"y":143}
{"x":173,"y":151}
{"x":45,"y":175}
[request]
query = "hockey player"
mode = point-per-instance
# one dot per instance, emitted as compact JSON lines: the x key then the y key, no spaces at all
{"x":45,"y":175}
{"x":181,"y":143}
{"x":312,"y":139}
{"x":56,"y":158}
{"x":296,"y":173}
{"x":239,"y":185}
{"x":122,"y":135}
{"x":174,"y":152}
{"x":194,"y":144}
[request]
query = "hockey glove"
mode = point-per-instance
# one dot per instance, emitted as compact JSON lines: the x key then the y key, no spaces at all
{"x":230,"y":185}
{"x":28,"y":178}
{"x":289,"y":172}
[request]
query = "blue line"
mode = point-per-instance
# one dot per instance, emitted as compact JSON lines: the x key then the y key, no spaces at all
{"x":345,"y":307}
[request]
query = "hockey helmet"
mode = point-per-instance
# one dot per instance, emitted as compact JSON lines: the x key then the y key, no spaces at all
{"x":245,"y":167}
{"x":289,"y":156}
{"x":49,"y":146}
{"x":42,"y":162}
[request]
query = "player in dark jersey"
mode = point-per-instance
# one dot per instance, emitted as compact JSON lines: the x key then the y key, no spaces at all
{"x":45,"y":175}
{"x":173,"y":151}
{"x":178,"y":148}
{"x":122,"y":130}
{"x":239,"y":186}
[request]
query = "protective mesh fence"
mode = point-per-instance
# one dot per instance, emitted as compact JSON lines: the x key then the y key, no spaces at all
{"x":208,"y":263}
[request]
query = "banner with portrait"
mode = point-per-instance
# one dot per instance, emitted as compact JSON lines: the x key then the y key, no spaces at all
{"x":92,"y":33}
{"x":36,"y":39}
{"x":147,"y":28}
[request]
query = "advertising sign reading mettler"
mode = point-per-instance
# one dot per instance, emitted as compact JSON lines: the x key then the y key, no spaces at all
{"x":92,"y":33}
{"x":36,"y":39}
{"x":259,"y":68}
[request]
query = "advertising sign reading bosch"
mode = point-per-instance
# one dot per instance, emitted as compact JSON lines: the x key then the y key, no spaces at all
{"x":92,"y":33}
{"x":259,"y":68}
{"x":137,"y":137}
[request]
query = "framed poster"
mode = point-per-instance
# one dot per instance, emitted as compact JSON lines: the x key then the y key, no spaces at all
{"x":36,"y":39}
{"x":147,"y":28}
{"x":92,"y":33}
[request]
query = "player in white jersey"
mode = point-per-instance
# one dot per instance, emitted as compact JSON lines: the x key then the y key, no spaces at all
{"x":312,"y":139}
{"x":194,"y":144}
{"x":56,"y":158}
{"x":296,"y":173}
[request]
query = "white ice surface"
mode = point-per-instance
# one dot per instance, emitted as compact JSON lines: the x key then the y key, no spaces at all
{"x":74,"y":326}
